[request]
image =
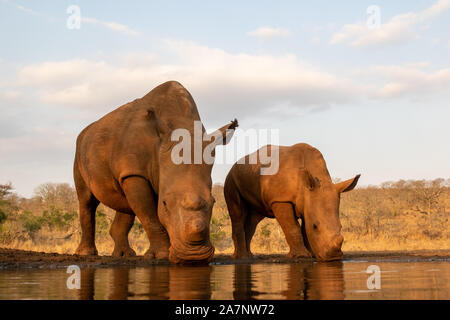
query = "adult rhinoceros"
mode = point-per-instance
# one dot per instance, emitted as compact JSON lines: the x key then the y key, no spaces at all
{"x":301,"y":188}
{"x":124,"y":160}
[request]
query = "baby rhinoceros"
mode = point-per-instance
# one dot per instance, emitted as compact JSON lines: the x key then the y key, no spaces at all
{"x":301,"y":188}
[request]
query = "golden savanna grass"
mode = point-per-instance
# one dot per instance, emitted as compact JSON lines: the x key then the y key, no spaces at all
{"x":400,"y":216}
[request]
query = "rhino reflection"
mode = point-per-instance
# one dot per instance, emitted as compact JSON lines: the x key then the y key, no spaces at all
{"x":305,"y":281}
{"x":158,"y":283}
{"x":297,"y":281}
{"x":119,"y":284}
{"x":190,"y":283}
{"x":325,"y":281}
{"x":164,"y":282}
{"x":87,"y":290}
{"x":243,"y":283}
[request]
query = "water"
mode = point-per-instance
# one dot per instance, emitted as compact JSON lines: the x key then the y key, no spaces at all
{"x":337,"y":280}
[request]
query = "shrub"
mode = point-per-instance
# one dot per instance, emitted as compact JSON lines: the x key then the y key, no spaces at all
{"x":101,"y":222}
{"x":2,"y":216}
{"x":56,"y":218}
{"x":30,"y":222}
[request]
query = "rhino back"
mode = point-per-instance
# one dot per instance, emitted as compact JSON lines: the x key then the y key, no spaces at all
{"x":283,"y":186}
{"x":125,"y":141}
{"x":286,"y":185}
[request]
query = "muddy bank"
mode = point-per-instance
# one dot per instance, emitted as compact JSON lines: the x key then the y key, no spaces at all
{"x":19,"y":259}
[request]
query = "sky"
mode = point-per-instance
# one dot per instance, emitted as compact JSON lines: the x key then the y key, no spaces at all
{"x":368,"y":86}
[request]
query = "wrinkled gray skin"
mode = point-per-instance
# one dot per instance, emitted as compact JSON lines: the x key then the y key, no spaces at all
{"x":124,"y":161}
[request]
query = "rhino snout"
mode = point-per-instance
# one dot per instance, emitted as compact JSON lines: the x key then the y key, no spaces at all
{"x":191,"y":255}
{"x":334,"y":251}
{"x":337,"y":241}
{"x":197,"y":230}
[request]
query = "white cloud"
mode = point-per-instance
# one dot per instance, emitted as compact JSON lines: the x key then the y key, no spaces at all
{"x":36,"y":157}
{"x":315,"y":40}
{"x":10,"y":95}
{"x":22,"y":8}
{"x":112,"y":25}
{"x":42,"y":143}
{"x":435,"y":41}
{"x":268,"y":32}
{"x":27,"y":10}
{"x":414,"y":81}
{"x":436,"y":9}
{"x":241,"y":83}
{"x":401,"y":28}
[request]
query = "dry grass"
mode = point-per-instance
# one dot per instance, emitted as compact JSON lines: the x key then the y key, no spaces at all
{"x":386,"y":218}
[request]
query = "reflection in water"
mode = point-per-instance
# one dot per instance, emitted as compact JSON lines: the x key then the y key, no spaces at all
{"x":296,"y":286}
{"x":243,"y":285}
{"x":119,"y":284}
{"x":297,"y":281}
{"x":190,"y":283}
{"x":158,"y":283}
{"x":324,"y":281}
{"x":87,"y":290}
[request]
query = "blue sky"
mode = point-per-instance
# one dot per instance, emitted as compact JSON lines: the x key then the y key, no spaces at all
{"x":374,"y":101}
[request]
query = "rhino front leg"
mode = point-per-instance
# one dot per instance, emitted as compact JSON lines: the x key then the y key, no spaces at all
{"x":142,"y":201}
{"x":285,"y":215}
{"x":119,"y":230}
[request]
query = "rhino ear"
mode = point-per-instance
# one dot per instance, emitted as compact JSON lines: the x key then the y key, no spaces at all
{"x":347,"y":185}
{"x":310,"y":182}
{"x":224,"y":134}
{"x":161,"y":127}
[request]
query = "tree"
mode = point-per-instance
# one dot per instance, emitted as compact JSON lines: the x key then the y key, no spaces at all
{"x":5,"y":204}
{"x":57,"y":195}
{"x":5,"y":190}
{"x":427,"y":195}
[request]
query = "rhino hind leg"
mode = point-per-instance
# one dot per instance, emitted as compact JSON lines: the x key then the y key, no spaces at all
{"x":285,"y":215}
{"x":237,"y":210}
{"x":142,"y":201}
{"x":119,"y":230}
{"x":87,"y":206}
{"x":252,"y":221}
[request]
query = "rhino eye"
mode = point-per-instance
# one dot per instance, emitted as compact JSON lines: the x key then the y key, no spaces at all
{"x":315,"y":226}
{"x":164,"y":203}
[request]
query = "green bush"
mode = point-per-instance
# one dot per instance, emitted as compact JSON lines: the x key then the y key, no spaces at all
{"x":56,"y":218}
{"x":218,"y":237}
{"x":5,"y":210}
{"x":2,"y":216}
{"x":30,"y":222}
{"x":101,"y":222}
{"x":138,"y":229}
{"x":265,"y":232}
